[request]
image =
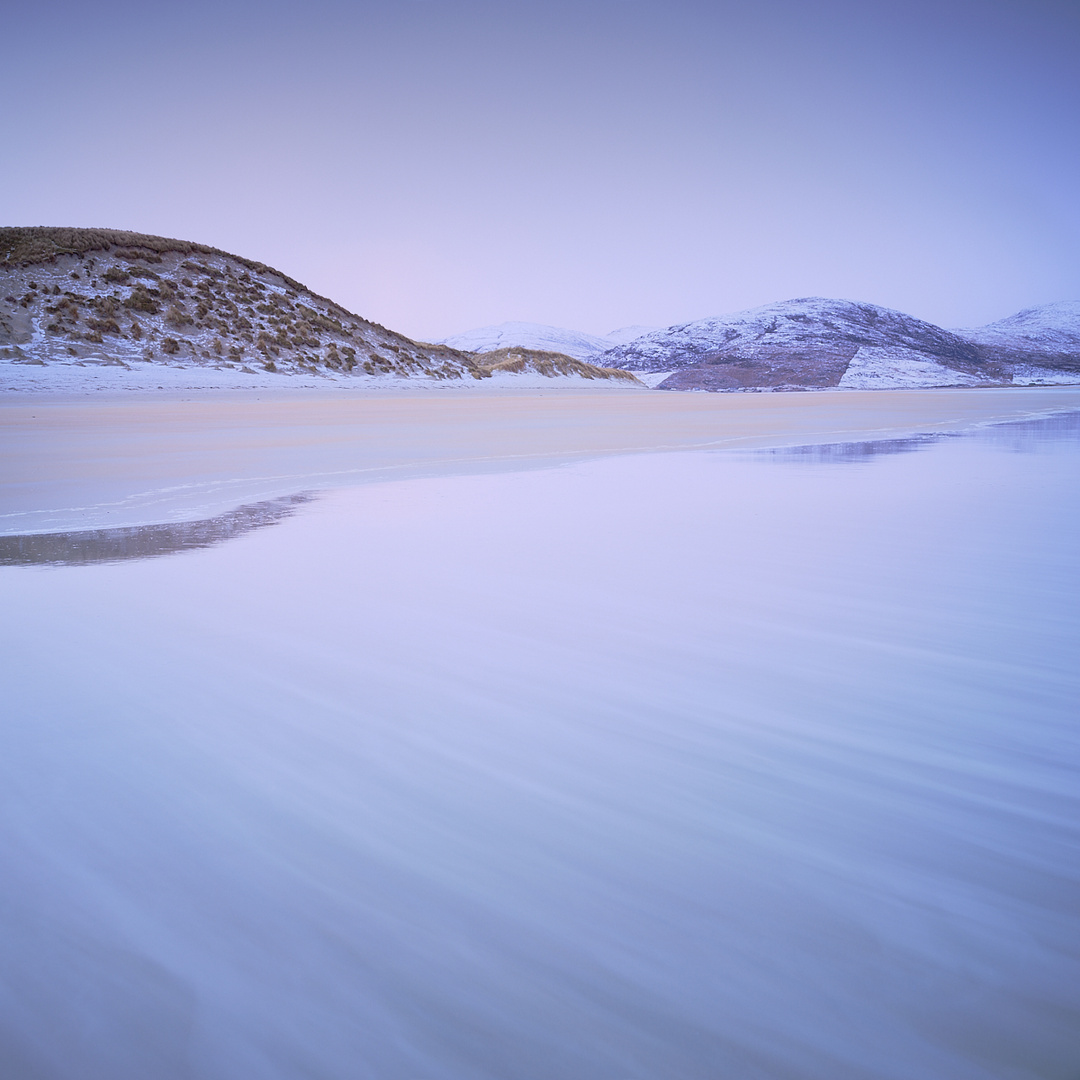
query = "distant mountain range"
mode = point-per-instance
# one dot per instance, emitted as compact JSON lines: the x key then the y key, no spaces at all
{"x":92,"y":296}
{"x":543,"y":338}
{"x":817,"y":342}
{"x":524,"y":335}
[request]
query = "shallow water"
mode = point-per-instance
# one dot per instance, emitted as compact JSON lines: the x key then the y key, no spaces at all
{"x":685,"y":765}
{"x":134,"y":460}
{"x":82,"y":546}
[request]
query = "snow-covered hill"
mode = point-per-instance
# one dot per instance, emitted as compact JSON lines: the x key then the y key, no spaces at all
{"x":808,"y":342}
{"x":816,"y":342}
{"x":80,"y":296}
{"x":526,"y":335}
{"x":627,"y":334}
{"x":542,"y":338}
{"x":1046,"y":336}
{"x":90,"y":300}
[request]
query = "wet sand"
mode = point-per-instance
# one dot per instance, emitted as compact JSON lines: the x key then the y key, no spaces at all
{"x":112,"y":462}
{"x":670,"y":766}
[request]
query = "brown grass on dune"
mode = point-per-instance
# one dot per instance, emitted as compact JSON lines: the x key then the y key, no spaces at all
{"x":516,"y":361}
{"x":26,"y":245}
{"x":191,"y":295}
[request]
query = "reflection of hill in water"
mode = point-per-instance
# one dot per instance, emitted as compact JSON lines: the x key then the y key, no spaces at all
{"x":1029,"y":435}
{"x":89,"y":546}
{"x":144,"y":541}
{"x":846,"y":453}
{"x":1021,"y":436}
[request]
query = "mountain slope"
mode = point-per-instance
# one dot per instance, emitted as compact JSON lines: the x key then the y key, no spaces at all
{"x":524,"y":335}
{"x":1046,"y":336}
{"x":95,"y":297}
{"x":811,"y":342}
{"x":78,"y":296}
{"x":626,"y":334}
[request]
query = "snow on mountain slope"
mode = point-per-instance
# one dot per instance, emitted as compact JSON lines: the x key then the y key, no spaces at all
{"x":807,"y":342}
{"x":1058,"y":323}
{"x":885,"y":368}
{"x":1047,"y":336}
{"x":97,"y":299}
{"x":525,"y":335}
{"x":626,"y":334}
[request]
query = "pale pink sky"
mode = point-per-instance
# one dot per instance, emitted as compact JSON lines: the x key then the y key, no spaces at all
{"x":440,"y":165}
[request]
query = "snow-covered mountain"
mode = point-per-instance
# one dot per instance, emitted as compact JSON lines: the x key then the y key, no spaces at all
{"x":78,"y":296}
{"x":91,"y":297}
{"x":1046,"y":336}
{"x":542,"y":338}
{"x":526,"y":335}
{"x":816,"y":342}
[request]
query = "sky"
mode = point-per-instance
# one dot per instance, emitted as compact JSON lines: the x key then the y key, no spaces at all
{"x":437,"y":165}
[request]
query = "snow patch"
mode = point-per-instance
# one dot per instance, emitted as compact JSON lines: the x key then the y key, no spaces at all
{"x":525,"y":335}
{"x":877,"y":367}
{"x":652,"y":379}
{"x":625,"y":334}
{"x":1030,"y":375}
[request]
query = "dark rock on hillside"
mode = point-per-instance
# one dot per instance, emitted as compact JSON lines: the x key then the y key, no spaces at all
{"x":772,"y":366}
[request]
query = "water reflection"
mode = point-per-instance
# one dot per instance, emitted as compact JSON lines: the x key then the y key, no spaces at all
{"x":83,"y":547}
{"x":849,"y":452}
{"x":1019,"y":436}
{"x":1027,"y":436}
{"x":780,"y":786}
{"x":144,"y":541}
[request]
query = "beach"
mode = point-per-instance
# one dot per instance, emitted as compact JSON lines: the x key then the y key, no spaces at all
{"x":624,"y":736}
{"x":100,"y":460}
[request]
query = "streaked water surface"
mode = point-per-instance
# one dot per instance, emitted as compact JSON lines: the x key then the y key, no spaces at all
{"x":692,"y":765}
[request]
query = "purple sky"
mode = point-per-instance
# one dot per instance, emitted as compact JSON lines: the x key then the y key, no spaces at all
{"x":437,"y":165}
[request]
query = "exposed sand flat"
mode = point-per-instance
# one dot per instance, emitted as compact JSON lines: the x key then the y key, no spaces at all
{"x":78,"y":463}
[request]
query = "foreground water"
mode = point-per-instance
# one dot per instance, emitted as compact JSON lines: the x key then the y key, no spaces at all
{"x":670,"y":766}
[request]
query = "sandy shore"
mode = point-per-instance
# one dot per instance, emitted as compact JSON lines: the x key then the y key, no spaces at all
{"x":120,"y":460}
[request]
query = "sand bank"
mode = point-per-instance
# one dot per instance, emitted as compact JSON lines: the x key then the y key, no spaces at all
{"x":125,"y":461}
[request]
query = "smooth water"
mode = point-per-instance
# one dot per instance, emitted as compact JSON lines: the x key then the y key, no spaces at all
{"x":694,"y":765}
